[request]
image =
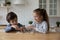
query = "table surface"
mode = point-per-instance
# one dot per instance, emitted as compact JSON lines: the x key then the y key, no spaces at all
{"x":29,"y":36}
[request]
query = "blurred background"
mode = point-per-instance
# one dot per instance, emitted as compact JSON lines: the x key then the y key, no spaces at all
{"x":24,"y":10}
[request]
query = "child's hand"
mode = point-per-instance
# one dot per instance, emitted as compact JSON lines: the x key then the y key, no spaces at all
{"x":30,"y":27}
{"x":22,"y":29}
{"x":15,"y":26}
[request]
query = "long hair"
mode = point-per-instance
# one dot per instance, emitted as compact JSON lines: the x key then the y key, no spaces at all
{"x":42,"y":12}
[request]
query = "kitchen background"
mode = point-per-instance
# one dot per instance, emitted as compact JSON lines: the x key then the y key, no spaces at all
{"x":24,"y":12}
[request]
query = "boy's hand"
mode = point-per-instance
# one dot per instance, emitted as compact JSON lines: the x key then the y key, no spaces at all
{"x":22,"y":29}
{"x":15,"y":26}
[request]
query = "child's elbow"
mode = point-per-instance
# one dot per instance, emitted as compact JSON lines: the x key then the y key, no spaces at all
{"x":6,"y":30}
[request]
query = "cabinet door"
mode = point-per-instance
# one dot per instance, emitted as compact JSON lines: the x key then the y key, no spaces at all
{"x":2,"y":1}
{"x":50,"y":6}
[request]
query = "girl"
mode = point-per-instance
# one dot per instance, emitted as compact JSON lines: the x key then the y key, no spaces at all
{"x":41,"y":23}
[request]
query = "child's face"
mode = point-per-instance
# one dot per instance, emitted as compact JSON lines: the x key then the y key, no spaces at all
{"x":14,"y":21}
{"x":37,"y":17}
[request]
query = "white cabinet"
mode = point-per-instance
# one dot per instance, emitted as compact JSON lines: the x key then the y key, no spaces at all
{"x":16,"y":1}
{"x":52,"y":7}
{"x":2,"y":2}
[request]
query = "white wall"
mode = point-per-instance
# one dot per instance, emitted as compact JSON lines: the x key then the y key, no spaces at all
{"x":3,"y":12}
{"x":53,"y":21}
{"x":24,"y":12}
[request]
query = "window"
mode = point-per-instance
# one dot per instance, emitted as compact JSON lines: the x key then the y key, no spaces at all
{"x":49,"y":5}
{"x":42,"y":4}
{"x":52,"y":7}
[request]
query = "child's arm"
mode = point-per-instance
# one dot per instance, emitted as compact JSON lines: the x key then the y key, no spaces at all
{"x":20,"y":27}
{"x":43,"y":29}
{"x":8,"y":28}
{"x":32,"y":26}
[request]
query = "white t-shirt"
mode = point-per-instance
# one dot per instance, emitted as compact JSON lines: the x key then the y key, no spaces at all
{"x":40,"y":27}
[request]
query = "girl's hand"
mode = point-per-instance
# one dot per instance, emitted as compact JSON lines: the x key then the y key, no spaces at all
{"x":31,"y":27}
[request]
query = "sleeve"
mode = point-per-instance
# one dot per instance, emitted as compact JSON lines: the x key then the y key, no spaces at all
{"x":8,"y":28}
{"x":20,"y":25}
{"x":42,"y":29}
{"x":33,"y":24}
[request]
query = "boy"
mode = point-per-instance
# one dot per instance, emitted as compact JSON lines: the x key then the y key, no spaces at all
{"x":13,"y":23}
